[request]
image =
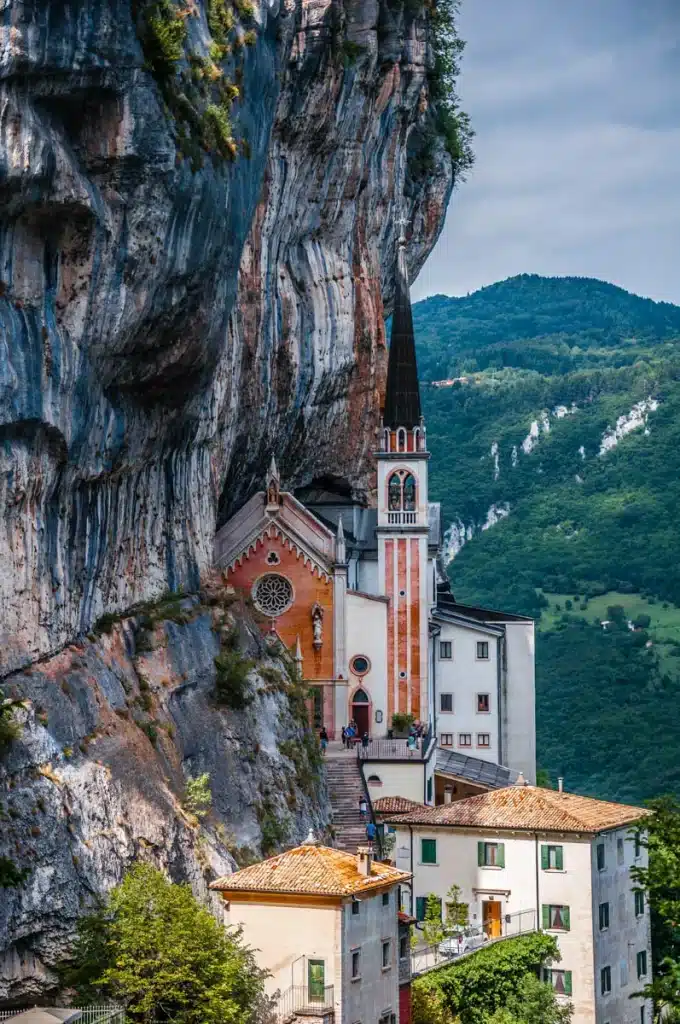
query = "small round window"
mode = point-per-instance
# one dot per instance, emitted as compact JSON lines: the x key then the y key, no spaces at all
{"x":360,"y":665}
{"x":273,"y":594}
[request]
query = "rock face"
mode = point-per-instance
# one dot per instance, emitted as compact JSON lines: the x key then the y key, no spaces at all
{"x":164,"y":328}
{"x":114,"y":728}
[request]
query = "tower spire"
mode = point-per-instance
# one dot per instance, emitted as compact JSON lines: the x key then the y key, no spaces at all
{"x":402,"y":396}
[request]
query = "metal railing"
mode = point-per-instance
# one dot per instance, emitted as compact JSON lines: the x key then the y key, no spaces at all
{"x":88,"y":1014}
{"x":464,"y":944}
{"x":402,"y":518}
{"x":396,"y":750}
{"x":302,"y":999}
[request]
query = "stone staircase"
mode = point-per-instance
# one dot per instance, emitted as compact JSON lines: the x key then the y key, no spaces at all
{"x":345,"y":788}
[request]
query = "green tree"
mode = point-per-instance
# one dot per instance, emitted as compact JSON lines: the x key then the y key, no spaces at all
{"x":660,"y":881}
{"x":433,"y":927}
{"x":10,"y":875}
{"x":154,"y":948}
{"x":10,"y":729}
{"x":197,"y":795}
{"x":457,"y":912}
{"x":534,"y":1003}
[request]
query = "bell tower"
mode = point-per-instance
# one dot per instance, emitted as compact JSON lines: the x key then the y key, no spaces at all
{"x":403,"y":526}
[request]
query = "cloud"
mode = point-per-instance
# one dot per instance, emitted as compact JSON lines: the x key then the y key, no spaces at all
{"x":577,"y":113}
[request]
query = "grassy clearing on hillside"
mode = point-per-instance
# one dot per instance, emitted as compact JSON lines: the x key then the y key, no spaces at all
{"x":665,"y":618}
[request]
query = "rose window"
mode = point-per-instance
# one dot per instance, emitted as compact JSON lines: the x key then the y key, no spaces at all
{"x":273,"y":594}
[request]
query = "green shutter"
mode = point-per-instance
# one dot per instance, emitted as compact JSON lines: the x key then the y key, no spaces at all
{"x":565,"y":918}
{"x":567,"y":982}
{"x":480,"y":854}
{"x":500,"y":855}
{"x":545,"y":857}
{"x":559,"y":860}
{"x":421,"y":903}
{"x":545,"y":915}
{"x":428,"y":851}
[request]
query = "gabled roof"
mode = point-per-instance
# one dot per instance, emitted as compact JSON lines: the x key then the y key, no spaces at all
{"x":47,"y":1015}
{"x":447,"y":602}
{"x":402,"y":395}
{"x":395,"y":805}
{"x":527,"y":808}
{"x":474,"y":769}
{"x":310,"y":871}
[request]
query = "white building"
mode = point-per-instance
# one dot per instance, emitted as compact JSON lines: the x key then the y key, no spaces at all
{"x":527,"y":857}
{"x":358,"y":595}
{"x":326,"y":926}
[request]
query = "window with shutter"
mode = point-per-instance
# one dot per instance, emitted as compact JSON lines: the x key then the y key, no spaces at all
{"x":491,"y":855}
{"x":639,"y":904}
{"x":552,"y":858}
{"x":555,"y":917}
{"x":421,"y":905}
{"x":428,"y":851}
{"x":600,"y":857}
{"x":605,"y":980}
{"x":604,"y":916}
{"x":642,"y":964}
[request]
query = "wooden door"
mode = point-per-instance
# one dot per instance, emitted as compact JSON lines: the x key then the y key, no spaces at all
{"x":491,"y":918}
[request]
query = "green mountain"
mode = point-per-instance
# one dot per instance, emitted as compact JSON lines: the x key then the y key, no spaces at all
{"x":556,"y":456}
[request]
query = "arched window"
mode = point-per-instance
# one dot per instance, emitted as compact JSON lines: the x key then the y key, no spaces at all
{"x":394,"y":493}
{"x":401,"y":492}
{"x":360,"y":697}
{"x":409,"y":493}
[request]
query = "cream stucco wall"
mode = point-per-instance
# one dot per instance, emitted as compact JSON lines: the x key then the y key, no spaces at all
{"x":464,"y":676}
{"x":407,"y":779}
{"x":367,"y":634}
{"x":520,"y":886}
{"x":519,"y":725}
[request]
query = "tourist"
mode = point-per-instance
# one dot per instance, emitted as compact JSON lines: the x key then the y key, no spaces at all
{"x":323,"y":739}
{"x":363,"y":806}
{"x":364,"y":741}
{"x":370,"y":831}
{"x":349,"y":735}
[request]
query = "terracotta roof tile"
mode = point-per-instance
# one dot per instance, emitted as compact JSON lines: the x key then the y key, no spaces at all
{"x":526,"y":807}
{"x":310,"y":870}
{"x":395,"y":805}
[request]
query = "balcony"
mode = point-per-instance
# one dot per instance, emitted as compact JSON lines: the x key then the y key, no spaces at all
{"x":397,"y":750}
{"x":306,"y":1004}
{"x":402,"y":518}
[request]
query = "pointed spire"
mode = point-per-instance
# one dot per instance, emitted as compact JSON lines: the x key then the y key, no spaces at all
{"x":402,"y":396}
{"x":273,"y":482}
{"x":340,"y":552}
{"x":298,"y":656}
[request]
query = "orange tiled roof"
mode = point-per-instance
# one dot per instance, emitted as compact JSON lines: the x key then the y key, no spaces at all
{"x":395,"y":805}
{"x":527,"y":807}
{"x":310,"y":871}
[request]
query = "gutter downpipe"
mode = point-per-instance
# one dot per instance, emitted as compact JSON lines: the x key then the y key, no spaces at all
{"x":537,"y":882}
{"x":499,"y":695}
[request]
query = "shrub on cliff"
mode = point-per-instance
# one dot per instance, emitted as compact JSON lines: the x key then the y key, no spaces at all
{"x":474,"y":988}
{"x":155,"y":949}
{"x":10,"y":729}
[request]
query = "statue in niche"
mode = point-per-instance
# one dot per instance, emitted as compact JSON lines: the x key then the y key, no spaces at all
{"x":317,"y":625}
{"x":273,"y":487}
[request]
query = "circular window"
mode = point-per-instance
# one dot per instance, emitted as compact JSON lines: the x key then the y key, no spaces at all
{"x":402,"y":675}
{"x":402,"y":593}
{"x":273,"y":594}
{"x":360,"y":665}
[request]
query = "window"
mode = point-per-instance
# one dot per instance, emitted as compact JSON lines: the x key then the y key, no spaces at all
{"x":386,"y":954}
{"x":552,"y":858}
{"x":641,"y":963}
{"x":638,"y":846}
{"x":619,"y":850}
{"x":421,"y":906}
{"x":465,"y":739}
{"x":272,"y":594}
{"x":643,"y":1015}
{"x":385,"y":899}
{"x":483,"y":739}
{"x":428,"y":851}
{"x":482,"y":703}
{"x":639,"y":903}
{"x":491,"y":855}
{"x":555,"y":917}
{"x":429,"y":790}
{"x":316,"y":980}
{"x":360,"y":665}
{"x":604,"y":916}
{"x":446,"y":739}
{"x":601,"y":863}
{"x":606,"y":980}
{"x":482,"y":650}
{"x":560,"y":981}
{"x":409,"y":493}
{"x":356,"y":964}
{"x":445,"y":650}
{"x":404,"y":947}
{"x":394,"y":493}
{"x":401,"y":492}
{"x":355,"y":907}
{"x":446,"y":702}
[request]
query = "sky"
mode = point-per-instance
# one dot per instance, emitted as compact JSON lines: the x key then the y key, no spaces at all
{"x":576,"y":108}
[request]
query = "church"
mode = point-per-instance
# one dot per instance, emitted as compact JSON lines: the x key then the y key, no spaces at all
{"x":361,"y":599}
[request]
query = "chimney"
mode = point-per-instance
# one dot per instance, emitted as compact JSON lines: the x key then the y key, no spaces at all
{"x":560,"y":785}
{"x":364,"y":860}
{"x":521,"y":781}
{"x":448,"y":794}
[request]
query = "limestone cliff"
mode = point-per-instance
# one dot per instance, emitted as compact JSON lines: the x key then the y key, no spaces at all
{"x":114,"y":728}
{"x":177,"y":303}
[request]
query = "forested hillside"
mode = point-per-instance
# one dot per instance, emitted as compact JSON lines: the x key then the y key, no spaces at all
{"x":556,"y":455}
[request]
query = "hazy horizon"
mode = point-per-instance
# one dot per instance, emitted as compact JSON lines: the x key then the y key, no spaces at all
{"x":577,"y":117}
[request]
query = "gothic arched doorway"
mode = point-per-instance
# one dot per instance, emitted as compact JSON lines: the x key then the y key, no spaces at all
{"x":361,"y":711}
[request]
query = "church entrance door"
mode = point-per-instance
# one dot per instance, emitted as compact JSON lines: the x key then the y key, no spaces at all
{"x":361,"y":712}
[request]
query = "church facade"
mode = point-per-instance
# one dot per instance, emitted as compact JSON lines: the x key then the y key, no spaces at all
{"x":359,"y":597}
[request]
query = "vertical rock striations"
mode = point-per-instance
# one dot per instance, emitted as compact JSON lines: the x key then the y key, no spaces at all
{"x":168,"y":319}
